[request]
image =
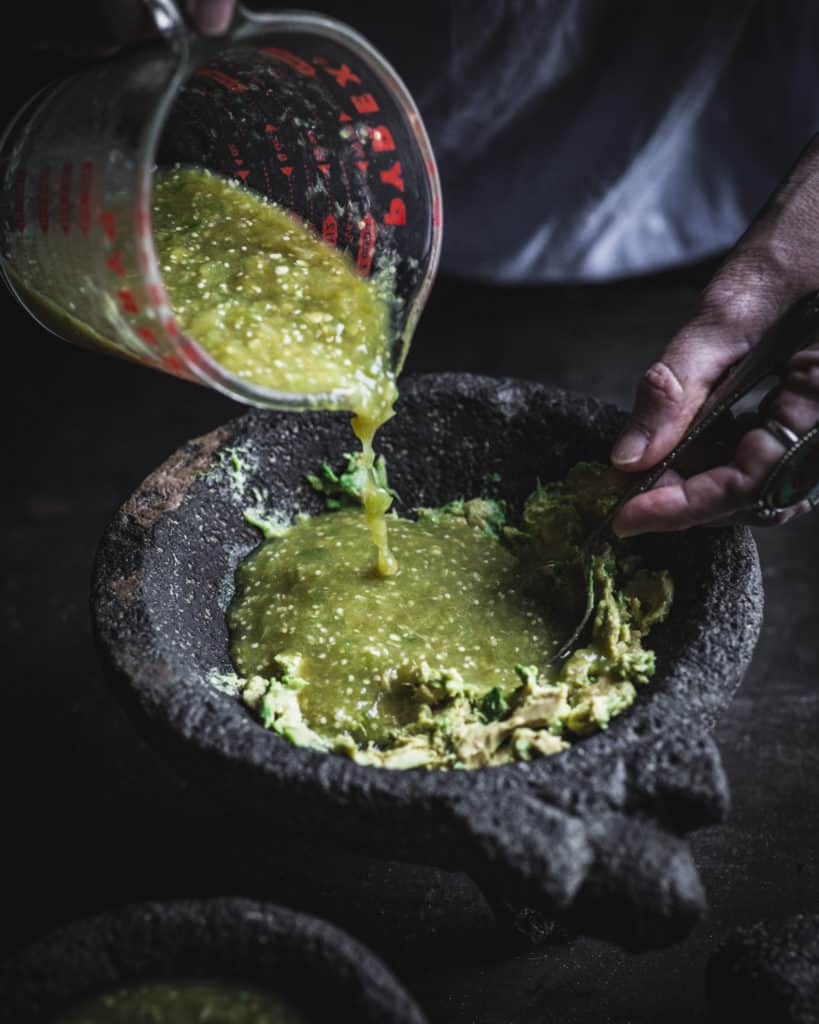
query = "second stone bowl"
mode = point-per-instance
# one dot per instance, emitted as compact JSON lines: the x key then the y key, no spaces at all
{"x":593,"y":837}
{"x":320,"y":970}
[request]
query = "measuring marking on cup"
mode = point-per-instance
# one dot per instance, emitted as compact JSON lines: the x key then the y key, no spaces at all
{"x":295,"y":105}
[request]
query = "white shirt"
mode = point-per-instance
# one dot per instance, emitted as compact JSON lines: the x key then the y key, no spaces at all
{"x":591,"y":139}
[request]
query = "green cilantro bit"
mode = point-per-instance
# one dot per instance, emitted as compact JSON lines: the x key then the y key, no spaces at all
{"x":493,"y":705}
{"x":343,"y":490}
{"x":269,"y":710}
{"x":484,"y":514}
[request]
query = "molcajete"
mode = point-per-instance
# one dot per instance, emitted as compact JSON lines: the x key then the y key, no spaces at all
{"x":592,"y":837}
{"x":315,"y":966}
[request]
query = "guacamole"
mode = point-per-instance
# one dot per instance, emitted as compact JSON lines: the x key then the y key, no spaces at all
{"x":278,"y":307}
{"x":184,"y":1002}
{"x":447,"y":663}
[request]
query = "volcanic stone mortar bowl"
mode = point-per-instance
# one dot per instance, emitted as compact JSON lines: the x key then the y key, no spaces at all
{"x":316,"y":966}
{"x":593,"y":838}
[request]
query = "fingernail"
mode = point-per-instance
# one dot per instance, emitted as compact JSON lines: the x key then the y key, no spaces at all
{"x":629,"y":447}
{"x":211,"y":16}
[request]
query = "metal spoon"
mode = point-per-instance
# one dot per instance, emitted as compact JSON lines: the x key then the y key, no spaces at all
{"x":795,"y":330}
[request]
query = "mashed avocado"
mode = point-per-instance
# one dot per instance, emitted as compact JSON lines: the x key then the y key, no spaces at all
{"x":446,"y":663}
{"x":184,"y":1002}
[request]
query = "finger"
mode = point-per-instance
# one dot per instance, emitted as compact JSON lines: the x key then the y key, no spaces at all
{"x":671,"y":391}
{"x":707,"y":497}
{"x":670,"y":478}
{"x":211,"y":17}
{"x":795,"y":403}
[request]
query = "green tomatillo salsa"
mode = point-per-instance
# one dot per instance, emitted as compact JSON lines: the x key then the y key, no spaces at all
{"x":453,"y":617}
{"x":184,"y":1002}
{"x":447,"y":663}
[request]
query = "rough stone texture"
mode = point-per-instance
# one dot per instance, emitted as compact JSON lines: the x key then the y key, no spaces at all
{"x":165,"y":488}
{"x":768,"y":971}
{"x":318,"y":966}
{"x":610,"y":807}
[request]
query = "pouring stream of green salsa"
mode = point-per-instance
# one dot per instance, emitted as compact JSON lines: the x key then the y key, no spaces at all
{"x":277,"y":307}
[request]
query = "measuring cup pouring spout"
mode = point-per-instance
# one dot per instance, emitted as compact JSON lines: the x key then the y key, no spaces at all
{"x":295,"y":106}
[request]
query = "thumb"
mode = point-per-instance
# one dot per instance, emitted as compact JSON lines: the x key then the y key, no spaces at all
{"x":734,"y":312}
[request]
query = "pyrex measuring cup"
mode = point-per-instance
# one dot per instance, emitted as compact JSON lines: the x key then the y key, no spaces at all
{"x":296,"y":106}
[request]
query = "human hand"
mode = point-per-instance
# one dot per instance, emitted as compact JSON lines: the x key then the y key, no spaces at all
{"x":100,"y":27}
{"x":775,"y":263}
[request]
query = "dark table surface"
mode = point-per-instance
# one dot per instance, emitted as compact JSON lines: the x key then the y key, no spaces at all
{"x":93,"y":819}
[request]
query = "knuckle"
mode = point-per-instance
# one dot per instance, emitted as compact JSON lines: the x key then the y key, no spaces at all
{"x":749,"y":292}
{"x":661,"y":386}
{"x":737,"y":490}
{"x":803,"y":374}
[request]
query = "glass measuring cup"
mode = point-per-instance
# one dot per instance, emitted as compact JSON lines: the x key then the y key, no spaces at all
{"x":295,"y":105}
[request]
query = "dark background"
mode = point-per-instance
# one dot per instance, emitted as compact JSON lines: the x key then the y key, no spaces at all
{"x":92,"y":819}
